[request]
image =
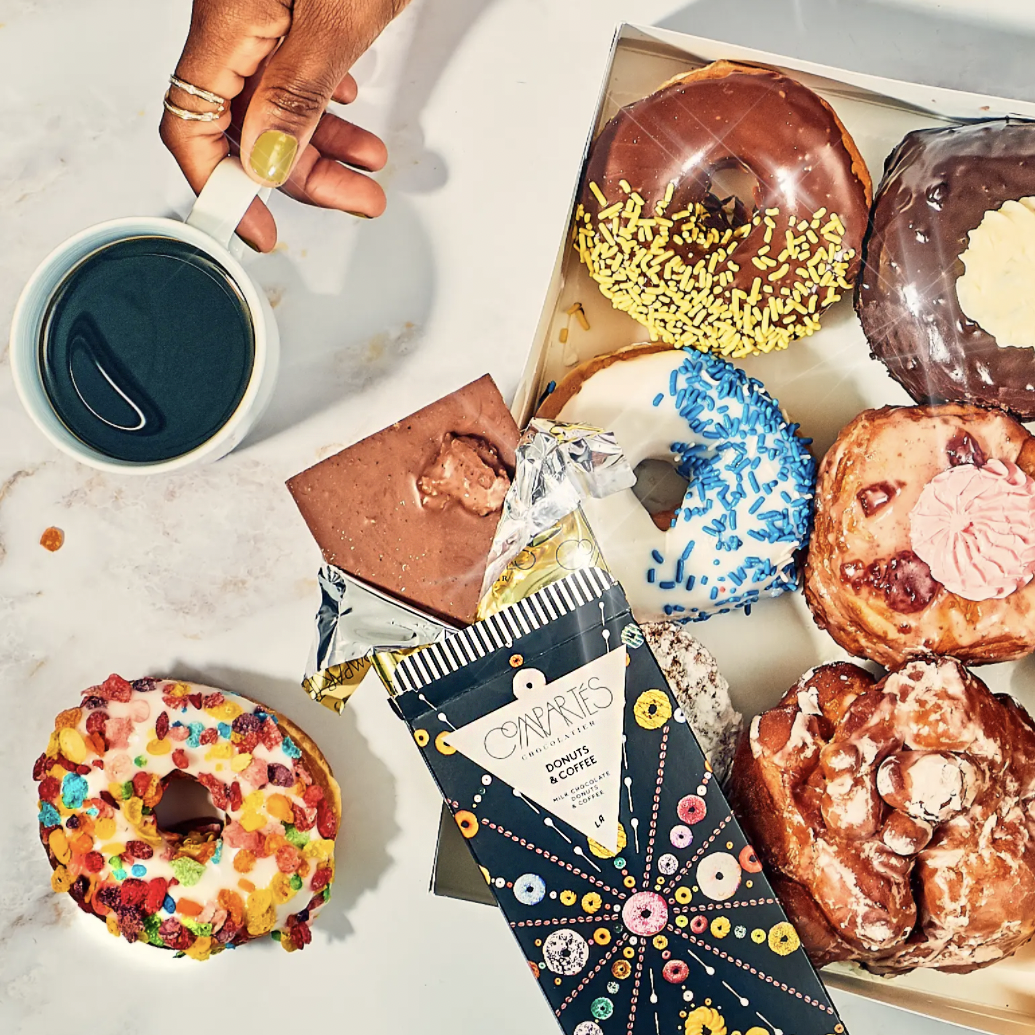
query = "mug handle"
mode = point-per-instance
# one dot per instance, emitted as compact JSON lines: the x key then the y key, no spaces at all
{"x":223,"y":202}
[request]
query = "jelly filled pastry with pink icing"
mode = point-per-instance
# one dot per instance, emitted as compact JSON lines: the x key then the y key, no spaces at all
{"x":924,"y":536}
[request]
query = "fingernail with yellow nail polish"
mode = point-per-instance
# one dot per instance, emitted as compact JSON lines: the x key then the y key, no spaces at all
{"x":273,"y":154}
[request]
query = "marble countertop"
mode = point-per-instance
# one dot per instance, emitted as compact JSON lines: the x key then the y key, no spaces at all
{"x":209,"y":575}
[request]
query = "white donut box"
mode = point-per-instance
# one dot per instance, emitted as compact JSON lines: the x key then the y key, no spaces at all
{"x":822,"y":382}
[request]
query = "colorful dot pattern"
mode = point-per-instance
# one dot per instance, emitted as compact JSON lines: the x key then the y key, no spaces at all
{"x":711,"y":901}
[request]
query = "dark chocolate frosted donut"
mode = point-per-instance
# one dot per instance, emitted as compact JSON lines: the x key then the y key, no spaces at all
{"x":696,"y":268}
{"x":938,"y":186}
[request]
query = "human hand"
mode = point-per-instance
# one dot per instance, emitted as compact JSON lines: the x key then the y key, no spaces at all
{"x":280,"y":63}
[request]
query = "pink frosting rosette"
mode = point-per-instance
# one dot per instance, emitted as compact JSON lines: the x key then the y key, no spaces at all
{"x":975,"y":528}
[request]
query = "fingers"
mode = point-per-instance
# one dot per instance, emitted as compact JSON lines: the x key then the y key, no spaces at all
{"x":258,"y":228}
{"x":346,"y":91}
{"x":226,"y":44}
{"x":297,"y":84}
{"x":329,"y":184}
{"x":318,"y":179}
{"x":284,"y":61}
{"x":335,"y":138}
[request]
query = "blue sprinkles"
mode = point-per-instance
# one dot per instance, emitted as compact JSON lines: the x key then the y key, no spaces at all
{"x":751,"y":480}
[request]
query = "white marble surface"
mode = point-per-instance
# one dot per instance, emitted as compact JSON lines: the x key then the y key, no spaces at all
{"x":209,"y":575}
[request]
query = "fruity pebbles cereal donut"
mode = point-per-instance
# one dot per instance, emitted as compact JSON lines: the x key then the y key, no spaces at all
{"x":203,"y":886}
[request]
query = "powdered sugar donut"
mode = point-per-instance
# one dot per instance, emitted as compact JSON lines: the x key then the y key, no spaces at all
{"x":704,"y":695}
{"x":645,"y":913}
{"x":681,"y":836}
{"x":675,"y":972}
{"x":266,"y":870}
{"x":565,"y":951}
{"x":530,"y":889}
{"x":691,"y":809}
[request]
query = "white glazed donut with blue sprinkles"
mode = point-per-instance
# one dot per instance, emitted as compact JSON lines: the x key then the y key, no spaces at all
{"x":748,"y":506}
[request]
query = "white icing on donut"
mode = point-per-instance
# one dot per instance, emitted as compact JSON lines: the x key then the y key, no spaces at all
{"x":748,"y":505}
{"x":718,"y":876}
{"x":153,"y":730}
{"x":565,"y":952}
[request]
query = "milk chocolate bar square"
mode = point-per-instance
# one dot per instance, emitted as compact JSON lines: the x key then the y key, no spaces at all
{"x":413,"y":509}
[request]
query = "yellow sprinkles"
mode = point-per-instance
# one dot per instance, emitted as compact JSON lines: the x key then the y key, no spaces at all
{"x":637,"y":260}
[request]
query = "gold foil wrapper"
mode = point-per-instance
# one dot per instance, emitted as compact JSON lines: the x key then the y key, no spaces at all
{"x":385,"y":663}
{"x":551,"y":555}
{"x":334,"y":685}
{"x":359,"y":628}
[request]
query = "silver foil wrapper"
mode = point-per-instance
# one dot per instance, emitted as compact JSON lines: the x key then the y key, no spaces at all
{"x":354,"y":624}
{"x":558,"y":466}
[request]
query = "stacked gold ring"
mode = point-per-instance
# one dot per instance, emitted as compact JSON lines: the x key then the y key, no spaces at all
{"x":195,"y":91}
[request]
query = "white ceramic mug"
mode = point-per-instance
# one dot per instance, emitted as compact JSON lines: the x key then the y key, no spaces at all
{"x":210,"y":228}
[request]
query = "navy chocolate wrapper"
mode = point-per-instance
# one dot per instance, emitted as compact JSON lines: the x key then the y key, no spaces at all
{"x":715,"y":952}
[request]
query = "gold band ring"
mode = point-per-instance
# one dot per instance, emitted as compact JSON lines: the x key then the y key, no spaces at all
{"x":195,"y":91}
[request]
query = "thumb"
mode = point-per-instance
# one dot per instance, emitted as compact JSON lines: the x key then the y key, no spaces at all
{"x":296,"y":86}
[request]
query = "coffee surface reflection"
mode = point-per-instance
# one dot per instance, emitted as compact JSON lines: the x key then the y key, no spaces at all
{"x":146,"y":349}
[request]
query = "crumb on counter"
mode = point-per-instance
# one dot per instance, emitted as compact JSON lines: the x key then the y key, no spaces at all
{"x":52,"y":539}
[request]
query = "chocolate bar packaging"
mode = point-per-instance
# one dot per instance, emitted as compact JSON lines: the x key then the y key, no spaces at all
{"x":599,"y":826}
{"x":571,"y":773}
{"x":540,"y":536}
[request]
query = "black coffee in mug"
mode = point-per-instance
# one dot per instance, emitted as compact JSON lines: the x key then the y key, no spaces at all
{"x":146,"y":349}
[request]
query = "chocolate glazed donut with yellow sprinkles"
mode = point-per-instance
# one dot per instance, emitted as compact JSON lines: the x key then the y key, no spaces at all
{"x":702,"y":270}
{"x":200,"y":886}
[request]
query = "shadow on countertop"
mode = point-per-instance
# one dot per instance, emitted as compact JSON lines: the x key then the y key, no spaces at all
{"x":880,"y":38}
{"x":368,"y":796}
{"x":336,"y":344}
